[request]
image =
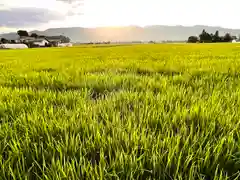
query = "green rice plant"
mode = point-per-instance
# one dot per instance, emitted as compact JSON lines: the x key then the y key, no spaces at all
{"x":167,"y":111}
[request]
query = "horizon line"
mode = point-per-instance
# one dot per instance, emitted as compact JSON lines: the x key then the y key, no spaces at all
{"x":145,"y":26}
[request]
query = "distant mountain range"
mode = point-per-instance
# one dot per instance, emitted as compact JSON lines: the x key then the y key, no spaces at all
{"x":129,"y":33}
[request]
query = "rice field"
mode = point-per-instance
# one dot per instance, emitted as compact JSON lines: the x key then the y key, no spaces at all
{"x":124,"y":112}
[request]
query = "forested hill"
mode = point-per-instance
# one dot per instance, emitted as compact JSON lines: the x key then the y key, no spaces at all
{"x":130,"y":33}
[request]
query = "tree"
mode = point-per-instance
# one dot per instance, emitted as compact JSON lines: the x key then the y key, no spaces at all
{"x":216,"y":37}
{"x":152,"y":42}
{"x":202,"y":35}
{"x":227,"y":37}
{"x":234,"y":38}
{"x":212,"y":37}
{"x":205,"y":37}
{"x":42,"y":36}
{"x":22,"y":33}
{"x":209,"y":37}
{"x":65,"y":39}
{"x":193,"y":39}
{"x":4,"y":41}
{"x":34,"y":35}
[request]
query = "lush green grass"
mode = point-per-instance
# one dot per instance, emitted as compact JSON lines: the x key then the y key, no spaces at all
{"x":127,"y":112}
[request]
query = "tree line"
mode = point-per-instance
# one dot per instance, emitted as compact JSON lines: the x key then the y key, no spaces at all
{"x":206,"y":37}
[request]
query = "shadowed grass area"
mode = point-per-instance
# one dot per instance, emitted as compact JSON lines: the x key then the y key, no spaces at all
{"x":122,"y":112}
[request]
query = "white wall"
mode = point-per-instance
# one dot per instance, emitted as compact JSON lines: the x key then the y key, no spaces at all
{"x":13,"y":46}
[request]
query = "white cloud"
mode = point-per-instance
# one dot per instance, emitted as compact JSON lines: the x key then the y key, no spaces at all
{"x":91,"y":13}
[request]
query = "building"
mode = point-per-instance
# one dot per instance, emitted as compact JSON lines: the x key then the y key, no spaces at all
{"x":40,"y":42}
{"x":54,"y":40}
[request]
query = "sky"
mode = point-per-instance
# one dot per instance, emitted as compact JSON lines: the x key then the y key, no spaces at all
{"x":44,"y":14}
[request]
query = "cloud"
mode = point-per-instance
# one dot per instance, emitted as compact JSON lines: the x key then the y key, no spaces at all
{"x":73,"y":13}
{"x":70,"y":1}
{"x":27,"y":17}
{"x":74,"y":8}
